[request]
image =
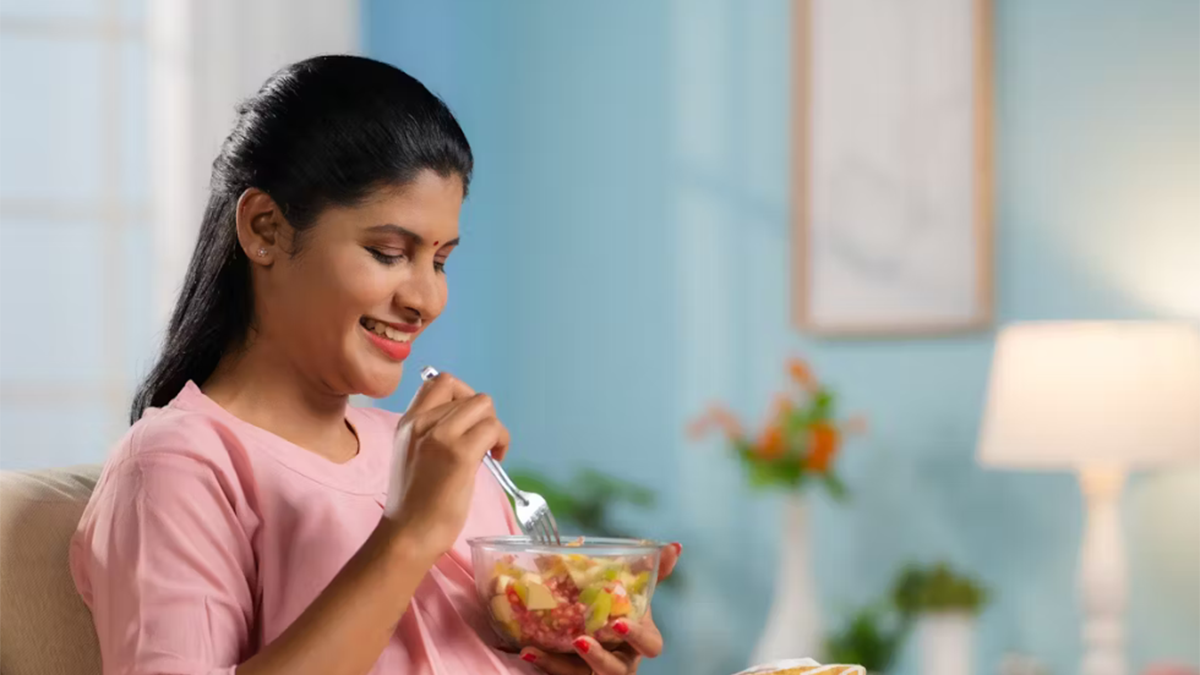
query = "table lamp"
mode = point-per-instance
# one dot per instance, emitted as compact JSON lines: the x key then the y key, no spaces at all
{"x":1099,"y":398}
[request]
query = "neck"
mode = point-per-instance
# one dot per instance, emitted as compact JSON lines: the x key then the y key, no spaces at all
{"x":260,"y":386}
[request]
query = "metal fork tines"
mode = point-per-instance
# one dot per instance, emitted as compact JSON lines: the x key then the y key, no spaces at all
{"x":533,"y":514}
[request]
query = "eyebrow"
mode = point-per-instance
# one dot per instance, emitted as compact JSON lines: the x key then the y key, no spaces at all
{"x":389,"y":228}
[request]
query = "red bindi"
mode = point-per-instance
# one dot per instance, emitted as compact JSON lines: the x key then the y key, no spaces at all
{"x":436,"y":243}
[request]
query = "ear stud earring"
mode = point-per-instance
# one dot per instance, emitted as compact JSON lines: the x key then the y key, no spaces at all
{"x":262,"y":252}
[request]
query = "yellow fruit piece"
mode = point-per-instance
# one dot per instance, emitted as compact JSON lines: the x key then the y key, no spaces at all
{"x":578,"y":577}
{"x":500,"y":585}
{"x":502,"y":609}
{"x":506,"y":568}
{"x":522,"y":592}
{"x":538,"y":596}
{"x":639,"y":582}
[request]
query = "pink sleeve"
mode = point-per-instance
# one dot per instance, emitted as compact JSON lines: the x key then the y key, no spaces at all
{"x":167,"y":567}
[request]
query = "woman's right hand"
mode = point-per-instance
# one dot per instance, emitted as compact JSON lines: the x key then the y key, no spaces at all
{"x":439,"y":445}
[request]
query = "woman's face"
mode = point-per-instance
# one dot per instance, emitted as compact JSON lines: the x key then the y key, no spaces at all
{"x":366,"y":281}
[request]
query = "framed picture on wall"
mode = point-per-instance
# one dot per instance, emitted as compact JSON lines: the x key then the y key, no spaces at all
{"x":893,"y":181}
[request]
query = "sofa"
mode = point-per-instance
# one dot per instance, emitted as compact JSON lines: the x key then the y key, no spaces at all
{"x":45,"y":629}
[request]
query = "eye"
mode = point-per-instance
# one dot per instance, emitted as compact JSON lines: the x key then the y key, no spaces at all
{"x":385,"y":258}
{"x":439,"y":266}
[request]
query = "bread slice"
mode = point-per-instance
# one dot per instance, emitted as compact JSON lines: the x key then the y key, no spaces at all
{"x":832,"y":669}
{"x":803,"y":667}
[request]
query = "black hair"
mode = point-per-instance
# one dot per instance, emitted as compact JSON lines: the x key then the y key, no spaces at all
{"x":322,"y":132}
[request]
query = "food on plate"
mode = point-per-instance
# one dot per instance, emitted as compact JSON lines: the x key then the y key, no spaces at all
{"x":803,"y":667}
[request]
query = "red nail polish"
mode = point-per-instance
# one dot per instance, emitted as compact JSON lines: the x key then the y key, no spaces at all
{"x":582,"y":645}
{"x":678,"y":548}
{"x":529,"y":656}
{"x":621,"y":627}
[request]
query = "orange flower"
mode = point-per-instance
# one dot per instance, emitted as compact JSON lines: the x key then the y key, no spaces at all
{"x":717,"y":416}
{"x":783,"y":405}
{"x":823,"y":448}
{"x":770,"y":444}
{"x":801,"y":374}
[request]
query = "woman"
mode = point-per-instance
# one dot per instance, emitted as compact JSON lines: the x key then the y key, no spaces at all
{"x":251,"y":522}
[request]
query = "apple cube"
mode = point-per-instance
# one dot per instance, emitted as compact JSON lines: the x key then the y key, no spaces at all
{"x":538,"y":596}
{"x":502,"y":609}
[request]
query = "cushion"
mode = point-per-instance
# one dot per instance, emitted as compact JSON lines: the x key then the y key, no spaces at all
{"x":47,"y":630}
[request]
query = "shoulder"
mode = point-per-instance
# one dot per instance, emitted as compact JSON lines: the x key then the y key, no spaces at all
{"x":177,"y":433}
{"x":176,"y":449}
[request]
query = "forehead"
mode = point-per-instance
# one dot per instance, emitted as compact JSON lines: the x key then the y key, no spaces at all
{"x":428,"y":205}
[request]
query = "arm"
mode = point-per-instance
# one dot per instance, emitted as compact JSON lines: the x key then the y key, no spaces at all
{"x":171,"y":572}
{"x":351,"y":621}
{"x":164,"y":560}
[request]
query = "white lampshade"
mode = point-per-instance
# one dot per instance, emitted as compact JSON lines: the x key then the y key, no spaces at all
{"x":1066,"y":395}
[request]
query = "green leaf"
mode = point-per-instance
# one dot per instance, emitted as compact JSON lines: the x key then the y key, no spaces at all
{"x":869,"y":639}
{"x":835,"y":486}
{"x":922,"y":590}
{"x":822,"y":406}
{"x":795,"y":422}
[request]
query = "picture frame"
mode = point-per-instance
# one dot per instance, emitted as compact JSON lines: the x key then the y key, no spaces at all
{"x":892,"y":181}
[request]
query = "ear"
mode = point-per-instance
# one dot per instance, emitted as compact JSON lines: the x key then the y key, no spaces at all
{"x":259,"y":226}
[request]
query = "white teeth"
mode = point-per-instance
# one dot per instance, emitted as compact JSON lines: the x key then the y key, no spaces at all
{"x":385,"y":330}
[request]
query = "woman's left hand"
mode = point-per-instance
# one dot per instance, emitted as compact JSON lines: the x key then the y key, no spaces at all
{"x":641,"y":639}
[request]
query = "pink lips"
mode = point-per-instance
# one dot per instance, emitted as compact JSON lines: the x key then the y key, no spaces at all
{"x":397,"y":351}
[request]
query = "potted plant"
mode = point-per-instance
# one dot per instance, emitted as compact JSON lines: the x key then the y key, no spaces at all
{"x":943,"y":604}
{"x":872,"y":638}
{"x":795,"y":451}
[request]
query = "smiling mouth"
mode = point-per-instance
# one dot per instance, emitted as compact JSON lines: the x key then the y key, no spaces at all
{"x":385,"y":331}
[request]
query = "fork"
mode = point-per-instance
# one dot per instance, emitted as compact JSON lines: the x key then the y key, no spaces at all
{"x":533,"y":514}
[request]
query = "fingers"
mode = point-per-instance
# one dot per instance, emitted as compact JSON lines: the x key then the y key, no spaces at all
{"x":667,"y":559}
{"x":556,"y":664}
{"x":487,"y":434}
{"x":643,"y":636}
{"x":471,"y":421}
{"x":437,"y":392}
{"x":460,"y":416}
{"x":602,"y":661}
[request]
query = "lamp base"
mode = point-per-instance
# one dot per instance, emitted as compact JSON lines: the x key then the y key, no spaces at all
{"x":1103,"y":574}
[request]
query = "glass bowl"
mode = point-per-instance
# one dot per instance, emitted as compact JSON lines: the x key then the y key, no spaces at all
{"x":545,"y":596}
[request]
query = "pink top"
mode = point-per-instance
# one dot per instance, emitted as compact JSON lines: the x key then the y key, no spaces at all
{"x":207,"y":536}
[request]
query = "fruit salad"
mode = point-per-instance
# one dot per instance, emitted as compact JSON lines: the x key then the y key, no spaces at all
{"x":561,"y":596}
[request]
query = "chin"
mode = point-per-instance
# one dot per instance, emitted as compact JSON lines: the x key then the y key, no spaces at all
{"x":379,"y":383}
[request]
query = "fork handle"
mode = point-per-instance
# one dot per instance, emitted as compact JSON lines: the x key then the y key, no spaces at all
{"x":428,"y":373}
{"x":503,"y":479}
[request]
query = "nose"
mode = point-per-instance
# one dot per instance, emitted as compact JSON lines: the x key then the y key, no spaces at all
{"x":421,"y":295}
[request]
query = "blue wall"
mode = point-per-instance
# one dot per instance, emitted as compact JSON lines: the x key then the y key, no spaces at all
{"x":625,"y":262}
